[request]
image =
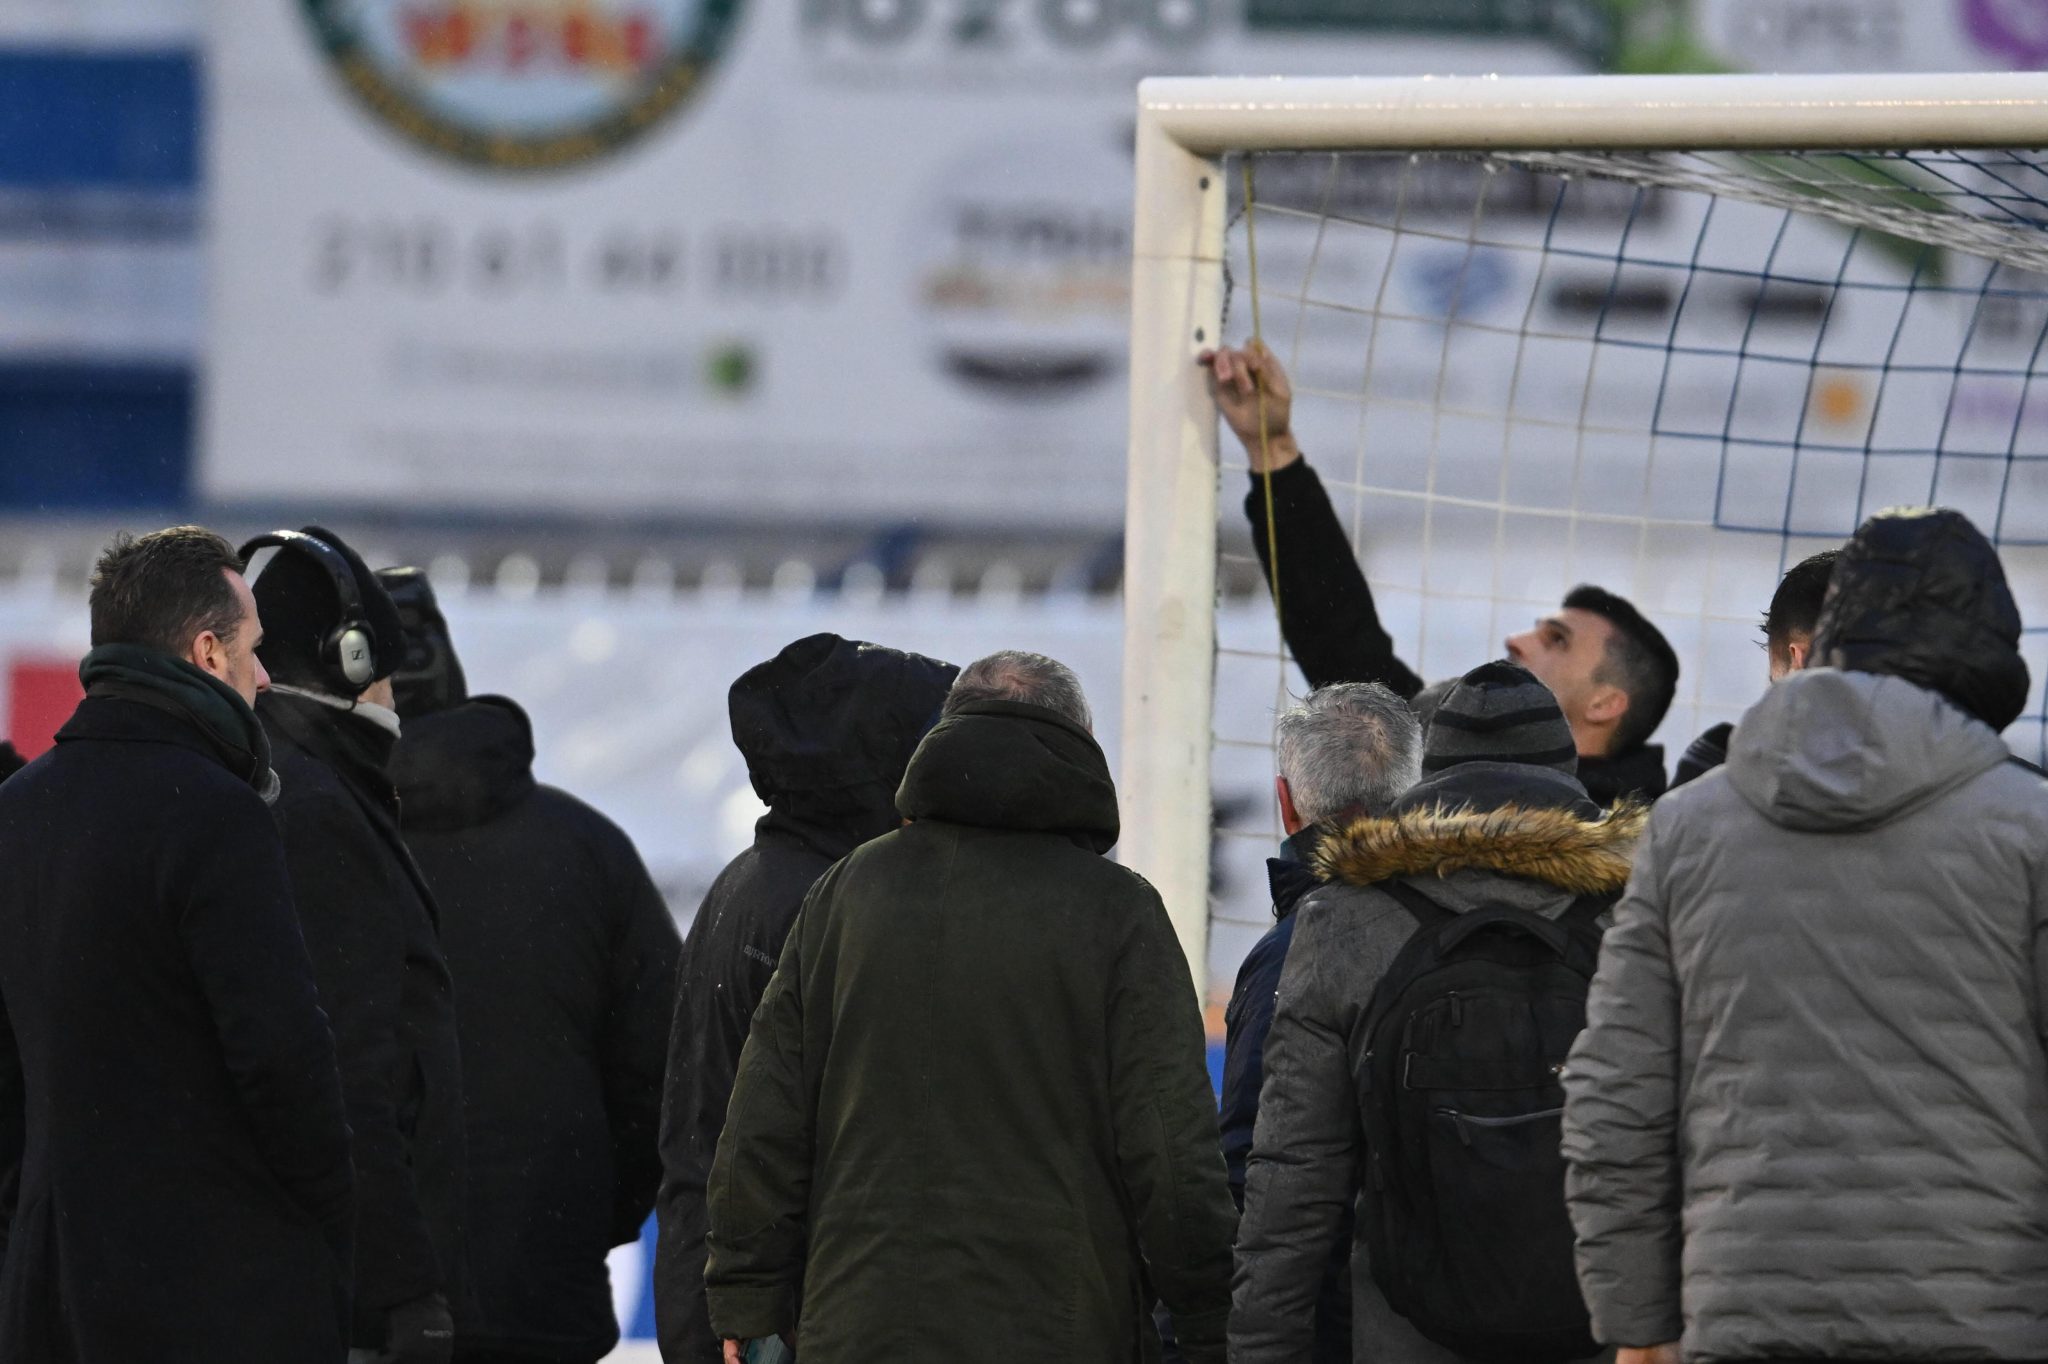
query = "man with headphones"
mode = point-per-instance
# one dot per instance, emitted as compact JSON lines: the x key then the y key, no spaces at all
{"x":332,"y":640}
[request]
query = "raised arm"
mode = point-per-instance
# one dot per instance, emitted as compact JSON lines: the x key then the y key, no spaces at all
{"x":1326,"y":609}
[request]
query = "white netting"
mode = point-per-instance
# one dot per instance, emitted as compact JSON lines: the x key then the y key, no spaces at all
{"x":1670,"y":375}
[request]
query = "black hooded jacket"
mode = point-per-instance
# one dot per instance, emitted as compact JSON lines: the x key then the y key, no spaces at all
{"x":827,"y":728}
{"x":1920,"y":594}
{"x":564,"y":956}
{"x":369,"y":924}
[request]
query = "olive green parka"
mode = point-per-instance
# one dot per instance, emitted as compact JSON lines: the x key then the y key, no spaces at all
{"x":973,"y":1118}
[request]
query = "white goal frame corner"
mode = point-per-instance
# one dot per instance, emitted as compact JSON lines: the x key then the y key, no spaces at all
{"x":1185,"y":126}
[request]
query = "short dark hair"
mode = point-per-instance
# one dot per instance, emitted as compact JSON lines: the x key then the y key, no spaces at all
{"x":1639,"y":660}
{"x":1795,"y":606}
{"x":162,"y":589}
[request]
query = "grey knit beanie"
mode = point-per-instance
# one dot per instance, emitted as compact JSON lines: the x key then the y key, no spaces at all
{"x":1499,"y":713}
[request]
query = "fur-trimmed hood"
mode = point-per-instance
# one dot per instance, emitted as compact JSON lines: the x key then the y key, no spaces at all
{"x":1557,"y":847}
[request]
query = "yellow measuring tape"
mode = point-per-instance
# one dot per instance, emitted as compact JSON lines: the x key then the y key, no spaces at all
{"x":1251,"y":251}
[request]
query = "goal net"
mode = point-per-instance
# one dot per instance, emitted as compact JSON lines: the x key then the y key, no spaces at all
{"x":1664,"y":336}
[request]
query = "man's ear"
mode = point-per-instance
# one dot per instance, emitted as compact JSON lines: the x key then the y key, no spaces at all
{"x":1799,"y":648}
{"x":1605,"y":705}
{"x":209,"y":654}
{"x":1290,"y":819}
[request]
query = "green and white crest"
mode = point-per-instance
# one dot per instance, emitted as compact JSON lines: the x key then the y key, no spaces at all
{"x":522,"y":85}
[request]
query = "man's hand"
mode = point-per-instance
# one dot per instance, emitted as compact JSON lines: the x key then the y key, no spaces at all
{"x":735,"y":1352}
{"x":1238,"y":376}
{"x":1654,"y":1354}
{"x":420,"y":1332}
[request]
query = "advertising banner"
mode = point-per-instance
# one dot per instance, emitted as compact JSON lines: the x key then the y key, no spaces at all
{"x":856,"y":259}
{"x":845,"y":260}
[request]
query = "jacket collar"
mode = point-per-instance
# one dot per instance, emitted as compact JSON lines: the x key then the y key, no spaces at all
{"x":1290,"y":875}
{"x":1010,"y":765}
{"x":1561,"y":847}
{"x":357,"y":748}
{"x":464,"y":765}
{"x":202,"y":712}
{"x":1635,"y":775}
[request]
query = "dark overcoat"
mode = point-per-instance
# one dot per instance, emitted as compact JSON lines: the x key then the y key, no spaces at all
{"x":564,"y":957}
{"x":174,"y":1166}
{"x":369,"y":925}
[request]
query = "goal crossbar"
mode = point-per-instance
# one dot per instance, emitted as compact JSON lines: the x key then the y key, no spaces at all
{"x":1186,"y":126}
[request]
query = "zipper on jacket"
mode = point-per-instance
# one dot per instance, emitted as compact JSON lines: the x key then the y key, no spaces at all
{"x":1461,"y":1120}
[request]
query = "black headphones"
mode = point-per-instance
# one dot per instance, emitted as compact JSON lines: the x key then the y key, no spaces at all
{"x":349,"y":650}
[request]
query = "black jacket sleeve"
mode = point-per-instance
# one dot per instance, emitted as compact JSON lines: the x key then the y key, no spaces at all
{"x":642,"y":986}
{"x":1246,"y":1022}
{"x":758,"y":1193}
{"x":350,"y":914}
{"x":13,"y":1127}
{"x":1326,"y":609}
{"x":726,"y":963}
{"x":248,"y":956}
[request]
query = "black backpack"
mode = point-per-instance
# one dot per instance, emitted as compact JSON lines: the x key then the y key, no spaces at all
{"x":1463,"y":1106}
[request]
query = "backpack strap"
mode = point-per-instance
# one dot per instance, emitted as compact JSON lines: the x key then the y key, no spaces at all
{"x":1426,"y":912}
{"x":1587,"y":909}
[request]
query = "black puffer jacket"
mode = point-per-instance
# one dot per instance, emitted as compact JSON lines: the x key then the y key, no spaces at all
{"x":827,"y":728}
{"x":563,"y":954}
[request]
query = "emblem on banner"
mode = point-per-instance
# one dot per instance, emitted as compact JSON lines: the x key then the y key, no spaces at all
{"x":522,"y":85}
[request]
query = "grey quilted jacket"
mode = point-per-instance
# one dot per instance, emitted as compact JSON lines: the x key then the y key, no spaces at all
{"x":1307,"y":1148}
{"x":1808,"y":1117}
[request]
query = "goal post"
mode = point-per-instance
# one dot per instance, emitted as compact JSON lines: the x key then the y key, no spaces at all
{"x":1185,"y":198}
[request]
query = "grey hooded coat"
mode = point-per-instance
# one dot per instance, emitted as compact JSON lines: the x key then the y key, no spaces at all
{"x":1808,"y":1117}
{"x":1541,"y":850}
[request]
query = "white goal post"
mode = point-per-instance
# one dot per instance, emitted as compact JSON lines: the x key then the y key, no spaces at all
{"x":1186,"y":127}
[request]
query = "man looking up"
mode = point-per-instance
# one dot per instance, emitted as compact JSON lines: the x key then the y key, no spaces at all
{"x":1788,"y":643}
{"x":1612,"y":671}
{"x":174,"y":1159}
{"x":334,"y":640}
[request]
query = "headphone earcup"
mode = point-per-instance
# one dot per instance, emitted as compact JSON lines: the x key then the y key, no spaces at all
{"x":354,"y":657}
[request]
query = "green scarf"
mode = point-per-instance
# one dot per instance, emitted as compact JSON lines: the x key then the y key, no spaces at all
{"x":132,"y":672}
